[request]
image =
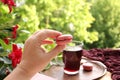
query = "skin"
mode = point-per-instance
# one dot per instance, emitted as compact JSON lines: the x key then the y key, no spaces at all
{"x":34,"y":57}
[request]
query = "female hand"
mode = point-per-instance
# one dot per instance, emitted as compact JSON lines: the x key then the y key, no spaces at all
{"x":34,"y":57}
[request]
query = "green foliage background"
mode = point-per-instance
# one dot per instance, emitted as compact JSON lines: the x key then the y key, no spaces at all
{"x":94,"y":22}
{"x":69,"y":17}
{"x":107,"y":23}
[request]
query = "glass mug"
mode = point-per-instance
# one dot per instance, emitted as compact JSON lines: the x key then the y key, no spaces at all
{"x":72,"y":55}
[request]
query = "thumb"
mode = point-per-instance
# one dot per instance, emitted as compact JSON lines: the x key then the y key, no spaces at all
{"x":54,"y":52}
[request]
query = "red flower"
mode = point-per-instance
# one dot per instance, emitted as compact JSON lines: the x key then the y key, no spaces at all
{"x":14,"y":32}
{"x":6,"y":40}
{"x":10,"y":4}
{"x":15,"y":55}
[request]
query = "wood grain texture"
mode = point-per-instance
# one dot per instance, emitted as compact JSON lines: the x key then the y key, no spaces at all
{"x":57,"y":73}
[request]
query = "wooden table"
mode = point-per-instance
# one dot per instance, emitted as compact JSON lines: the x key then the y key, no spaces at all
{"x":57,"y":72}
{"x":107,"y":76}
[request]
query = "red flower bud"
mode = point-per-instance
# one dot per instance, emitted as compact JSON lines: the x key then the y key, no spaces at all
{"x":14,"y":32}
{"x":10,"y":3}
{"x":6,"y":40}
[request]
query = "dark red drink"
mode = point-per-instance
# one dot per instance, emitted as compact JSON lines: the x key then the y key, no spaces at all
{"x":71,"y":58}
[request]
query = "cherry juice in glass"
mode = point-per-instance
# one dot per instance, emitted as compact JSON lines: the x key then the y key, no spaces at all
{"x":71,"y":59}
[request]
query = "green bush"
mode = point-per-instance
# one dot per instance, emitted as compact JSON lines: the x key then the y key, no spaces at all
{"x":107,"y":23}
{"x":68,"y":16}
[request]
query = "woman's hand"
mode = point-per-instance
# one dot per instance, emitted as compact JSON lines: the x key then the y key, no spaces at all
{"x":34,"y":57}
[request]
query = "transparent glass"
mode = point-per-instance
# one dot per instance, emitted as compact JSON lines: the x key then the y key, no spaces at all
{"x":72,"y":55}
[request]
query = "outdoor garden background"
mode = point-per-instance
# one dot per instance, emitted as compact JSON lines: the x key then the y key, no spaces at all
{"x":96,"y":23}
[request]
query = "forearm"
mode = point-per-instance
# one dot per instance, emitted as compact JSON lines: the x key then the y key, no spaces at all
{"x":19,"y":74}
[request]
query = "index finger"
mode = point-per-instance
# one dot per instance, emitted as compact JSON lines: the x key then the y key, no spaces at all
{"x":43,"y":34}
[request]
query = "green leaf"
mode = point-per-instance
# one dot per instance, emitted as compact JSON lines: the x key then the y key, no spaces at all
{"x":5,"y":60}
{"x":2,"y":72}
{"x":3,"y":44}
{"x":1,"y":63}
{"x":4,"y":54}
{"x":25,"y":31}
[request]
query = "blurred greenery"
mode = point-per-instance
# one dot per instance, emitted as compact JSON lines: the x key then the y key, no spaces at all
{"x":69,"y":17}
{"x":94,"y":22}
{"x":107,"y":23}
